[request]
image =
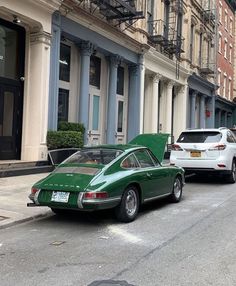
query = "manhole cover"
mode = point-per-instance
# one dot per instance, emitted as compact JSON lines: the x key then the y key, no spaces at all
{"x":110,"y":283}
{"x":3,"y":217}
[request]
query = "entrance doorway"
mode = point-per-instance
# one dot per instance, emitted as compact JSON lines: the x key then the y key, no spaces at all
{"x":12,"y":51}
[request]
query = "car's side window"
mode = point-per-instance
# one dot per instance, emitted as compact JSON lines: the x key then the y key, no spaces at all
{"x":155,"y":160}
{"x":144,"y":158}
{"x":130,"y":162}
{"x":230,"y":138}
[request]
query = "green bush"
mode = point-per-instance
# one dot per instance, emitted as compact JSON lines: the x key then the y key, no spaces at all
{"x":71,"y":126}
{"x":64,"y":139}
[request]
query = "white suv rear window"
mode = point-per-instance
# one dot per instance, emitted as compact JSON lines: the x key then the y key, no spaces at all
{"x":200,"y":137}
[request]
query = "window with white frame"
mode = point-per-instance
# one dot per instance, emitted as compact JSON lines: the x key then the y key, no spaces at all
{"x":229,"y":88}
{"x":225,"y":48}
{"x":192,"y":43}
{"x":226,"y":19}
{"x":220,"y":12}
{"x":219,"y":81}
{"x":224,"y":85}
{"x":220,"y":43}
{"x":231,"y":26}
{"x":230,"y":53}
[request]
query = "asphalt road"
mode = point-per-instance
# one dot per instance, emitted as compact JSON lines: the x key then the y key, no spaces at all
{"x":190,"y":243}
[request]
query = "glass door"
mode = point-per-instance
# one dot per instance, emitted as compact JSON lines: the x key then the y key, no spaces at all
{"x":10,"y":122}
{"x":94,"y":132}
{"x":12,"y":54}
{"x":121,"y":109}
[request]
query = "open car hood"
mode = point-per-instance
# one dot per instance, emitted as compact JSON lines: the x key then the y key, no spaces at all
{"x":156,"y":142}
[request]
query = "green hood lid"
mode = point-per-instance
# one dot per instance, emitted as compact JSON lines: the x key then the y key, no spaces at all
{"x":156,"y":142}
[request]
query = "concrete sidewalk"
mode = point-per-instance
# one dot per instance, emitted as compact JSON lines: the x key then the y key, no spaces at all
{"x":14,"y":193}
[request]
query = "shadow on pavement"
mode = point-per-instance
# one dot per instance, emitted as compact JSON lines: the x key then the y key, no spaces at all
{"x":205,"y":179}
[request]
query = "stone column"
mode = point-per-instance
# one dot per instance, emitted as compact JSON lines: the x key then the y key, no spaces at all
{"x":181,"y":110}
{"x":133,"y":104}
{"x":136,"y":100}
{"x":35,"y":117}
{"x":192,"y":109}
{"x":202,"y":112}
{"x":54,"y":72}
{"x":141,"y":79}
{"x":219,"y":118}
{"x":169,"y":93}
{"x":112,"y":104}
{"x":155,"y":96}
{"x":86,"y":49}
{"x":225,"y":118}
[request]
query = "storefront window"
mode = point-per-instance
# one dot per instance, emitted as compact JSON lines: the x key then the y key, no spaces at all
{"x":120,"y":116}
{"x":63,"y":102}
{"x":8,"y":53}
{"x":96,"y":100}
{"x":95,"y":71}
{"x":120,"y":81}
{"x":64,"y":73}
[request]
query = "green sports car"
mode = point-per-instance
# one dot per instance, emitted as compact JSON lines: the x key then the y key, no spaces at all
{"x":111,"y":176}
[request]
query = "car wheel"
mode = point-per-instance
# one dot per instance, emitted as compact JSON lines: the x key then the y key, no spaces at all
{"x":232,"y":177}
{"x":177,"y":190}
{"x":129,"y":205}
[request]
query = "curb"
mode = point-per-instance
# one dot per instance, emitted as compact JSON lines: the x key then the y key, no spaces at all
{"x":26,"y":219}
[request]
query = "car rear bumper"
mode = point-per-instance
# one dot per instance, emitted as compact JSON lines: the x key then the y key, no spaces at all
{"x":203,"y":165}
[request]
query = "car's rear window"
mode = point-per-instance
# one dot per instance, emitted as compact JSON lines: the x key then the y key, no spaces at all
{"x":93,"y":156}
{"x":200,"y":137}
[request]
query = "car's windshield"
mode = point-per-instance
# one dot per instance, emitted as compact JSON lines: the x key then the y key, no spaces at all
{"x":200,"y":137}
{"x":93,"y":156}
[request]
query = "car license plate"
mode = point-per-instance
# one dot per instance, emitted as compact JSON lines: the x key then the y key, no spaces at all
{"x":61,"y":197}
{"x":195,"y":154}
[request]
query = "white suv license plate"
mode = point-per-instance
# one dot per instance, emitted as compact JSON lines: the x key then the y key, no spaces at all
{"x":61,"y":197}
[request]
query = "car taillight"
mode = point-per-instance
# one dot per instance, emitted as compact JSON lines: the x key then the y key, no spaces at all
{"x":217,"y":147}
{"x":95,"y":195}
{"x":176,"y":147}
{"x":33,"y":191}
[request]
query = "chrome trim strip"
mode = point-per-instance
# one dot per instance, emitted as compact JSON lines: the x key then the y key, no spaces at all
{"x":99,"y":201}
{"x":157,"y":197}
{"x":79,"y":200}
{"x":36,"y":197}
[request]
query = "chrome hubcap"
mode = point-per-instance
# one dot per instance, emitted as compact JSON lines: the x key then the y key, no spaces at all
{"x":177,"y":188}
{"x":131,"y":202}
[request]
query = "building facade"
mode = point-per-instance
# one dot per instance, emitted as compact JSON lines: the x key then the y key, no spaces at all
{"x":25,"y":40}
{"x":119,"y":67}
{"x":225,"y":97}
{"x":97,"y":69}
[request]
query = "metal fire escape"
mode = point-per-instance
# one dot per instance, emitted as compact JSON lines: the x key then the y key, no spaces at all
{"x":208,"y":60}
{"x":168,"y":34}
{"x":120,"y":10}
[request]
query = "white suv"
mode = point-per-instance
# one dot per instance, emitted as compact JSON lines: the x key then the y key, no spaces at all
{"x":206,"y":150}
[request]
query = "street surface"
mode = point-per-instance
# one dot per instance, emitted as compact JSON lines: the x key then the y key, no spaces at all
{"x":190,"y":243}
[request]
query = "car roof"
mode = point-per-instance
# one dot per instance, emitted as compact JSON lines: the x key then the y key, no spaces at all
{"x":122,"y":147}
{"x":206,"y":129}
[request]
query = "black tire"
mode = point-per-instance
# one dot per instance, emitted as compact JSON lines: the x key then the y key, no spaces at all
{"x":231,"y":178}
{"x":177,"y":190}
{"x":127,"y":210}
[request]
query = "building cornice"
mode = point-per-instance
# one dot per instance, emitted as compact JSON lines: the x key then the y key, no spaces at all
{"x":165,"y":64}
{"x":49,"y":6}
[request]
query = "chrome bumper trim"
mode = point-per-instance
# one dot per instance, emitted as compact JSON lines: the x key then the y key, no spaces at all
{"x":101,"y":201}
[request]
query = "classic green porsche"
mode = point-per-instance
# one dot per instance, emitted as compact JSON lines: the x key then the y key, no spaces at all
{"x":111,"y":176}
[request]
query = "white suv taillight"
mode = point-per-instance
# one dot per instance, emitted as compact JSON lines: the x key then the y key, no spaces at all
{"x":217,"y":147}
{"x":176,"y":147}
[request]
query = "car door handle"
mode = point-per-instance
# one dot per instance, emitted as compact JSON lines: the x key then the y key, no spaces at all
{"x":149,"y":175}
